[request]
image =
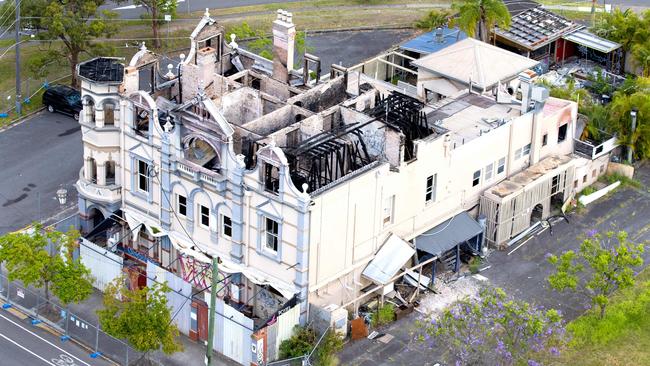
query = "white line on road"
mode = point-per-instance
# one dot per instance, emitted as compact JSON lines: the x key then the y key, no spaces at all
{"x":43,"y":339}
{"x":25,"y":349}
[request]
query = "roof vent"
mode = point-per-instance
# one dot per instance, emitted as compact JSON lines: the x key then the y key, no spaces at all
{"x":439,"y":35}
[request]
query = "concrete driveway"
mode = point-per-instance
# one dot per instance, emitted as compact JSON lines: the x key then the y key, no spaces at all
{"x":523,"y":273}
{"x":37,"y":157}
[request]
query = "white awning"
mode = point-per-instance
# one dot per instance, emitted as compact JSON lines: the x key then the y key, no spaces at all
{"x":392,"y":256}
{"x":187,"y":247}
{"x":585,"y":38}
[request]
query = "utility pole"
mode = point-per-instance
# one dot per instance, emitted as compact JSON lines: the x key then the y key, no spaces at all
{"x":17,"y":25}
{"x":212,"y":309}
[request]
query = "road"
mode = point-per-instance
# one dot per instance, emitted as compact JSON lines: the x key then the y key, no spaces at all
{"x":37,"y":157}
{"x":22,"y":344}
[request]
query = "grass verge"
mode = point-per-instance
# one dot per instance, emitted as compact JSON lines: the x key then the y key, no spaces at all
{"x":622,"y":337}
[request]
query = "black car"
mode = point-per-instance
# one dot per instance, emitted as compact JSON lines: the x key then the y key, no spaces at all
{"x":64,"y":99}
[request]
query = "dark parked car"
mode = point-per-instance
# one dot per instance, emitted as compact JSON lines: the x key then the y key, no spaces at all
{"x":64,"y":99}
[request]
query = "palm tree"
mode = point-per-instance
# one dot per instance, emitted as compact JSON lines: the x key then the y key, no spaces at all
{"x":641,"y":54}
{"x":476,"y":17}
{"x":433,"y":20}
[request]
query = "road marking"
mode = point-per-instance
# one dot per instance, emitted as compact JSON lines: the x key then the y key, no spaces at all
{"x":43,"y":339}
{"x":25,"y":349}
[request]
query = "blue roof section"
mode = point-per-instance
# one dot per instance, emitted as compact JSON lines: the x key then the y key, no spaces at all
{"x":426,"y":43}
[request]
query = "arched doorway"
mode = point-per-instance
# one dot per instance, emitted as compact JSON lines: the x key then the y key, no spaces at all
{"x":95,"y":216}
{"x":537,"y":214}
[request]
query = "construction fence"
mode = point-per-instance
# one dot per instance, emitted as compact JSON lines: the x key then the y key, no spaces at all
{"x":72,"y":326}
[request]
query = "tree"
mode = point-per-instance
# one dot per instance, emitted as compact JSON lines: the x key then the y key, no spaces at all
{"x":156,"y":10}
{"x":28,"y":259}
{"x":494,"y":330}
{"x":641,"y":54}
{"x":76,"y":24}
{"x":624,"y":27}
{"x":433,"y":20}
{"x":140,"y":316}
{"x":620,"y":119}
{"x":604,"y":264}
{"x":478,"y":17}
{"x":262,"y":44}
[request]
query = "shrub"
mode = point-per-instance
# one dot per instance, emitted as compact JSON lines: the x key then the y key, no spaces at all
{"x":384,"y":315}
{"x":588,"y":190}
{"x":625,"y":181}
{"x":303,"y":342}
{"x":474,"y":265}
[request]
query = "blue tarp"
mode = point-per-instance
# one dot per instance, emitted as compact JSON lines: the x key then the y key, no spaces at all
{"x":427,"y":43}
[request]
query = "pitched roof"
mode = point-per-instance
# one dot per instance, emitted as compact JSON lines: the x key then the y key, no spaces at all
{"x":536,"y":27}
{"x":485,"y":65}
{"x":428,"y":42}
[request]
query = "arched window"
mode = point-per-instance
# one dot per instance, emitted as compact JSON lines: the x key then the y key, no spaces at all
{"x":109,"y":114}
{"x":90,"y":110}
{"x":110,"y":172}
{"x":91,"y":170}
{"x":201,"y":152}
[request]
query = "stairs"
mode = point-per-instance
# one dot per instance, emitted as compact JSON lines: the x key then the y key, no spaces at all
{"x":448,"y":259}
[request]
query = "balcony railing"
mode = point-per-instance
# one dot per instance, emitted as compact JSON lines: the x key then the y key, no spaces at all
{"x":199,"y":173}
{"x":109,"y":193}
{"x":588,"y":150}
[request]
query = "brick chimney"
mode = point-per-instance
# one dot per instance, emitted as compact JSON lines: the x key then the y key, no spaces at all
{"x":284,"y":37}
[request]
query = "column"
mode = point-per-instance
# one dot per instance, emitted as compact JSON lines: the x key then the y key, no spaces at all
{"x":101,"y":174}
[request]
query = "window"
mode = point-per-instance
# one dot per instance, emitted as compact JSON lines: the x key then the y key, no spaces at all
{"x":602,"y":169}
{"x":430,"y":193}
{"x":502,"y":165}
{"x":205,"y":216}
{"x":555,"y":184}
{"x":517,"y":154}
{"x":181,"y":206}
{"x":561,"y":133}
{"x":165,"y":244}
{"x":488,"y":171}
{"x":575,"y":183}
{"x":584,"y":179}
{"x":271,"y":234}
{"x":545,"y":139}
{"x":388,"y":210}
{"x":226,"y":226}
{"x":593,"y":173}
{"x":271,"y":178}
{"x":526,"y":150}
{"x":143,"y":176}
{"x":476,"y":179}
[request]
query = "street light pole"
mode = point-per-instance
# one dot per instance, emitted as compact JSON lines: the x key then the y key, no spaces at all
{"x":18,"y":96}
{"x":212,"y":309}
{"x":630,"y":149}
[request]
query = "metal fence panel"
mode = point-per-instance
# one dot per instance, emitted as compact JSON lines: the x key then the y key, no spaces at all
{"x":112,"y":348}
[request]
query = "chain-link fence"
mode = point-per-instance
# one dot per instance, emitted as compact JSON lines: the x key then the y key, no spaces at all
{"x":71,"y":326}
{"x":30,"y":88}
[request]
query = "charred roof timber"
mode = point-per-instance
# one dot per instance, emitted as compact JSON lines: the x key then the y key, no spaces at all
{"x":405,"y":114}
{"x":108,"y":70}
{"x":328,"y":156}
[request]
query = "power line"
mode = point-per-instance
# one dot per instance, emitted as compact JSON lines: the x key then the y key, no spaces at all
{"x":16,"y":4}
